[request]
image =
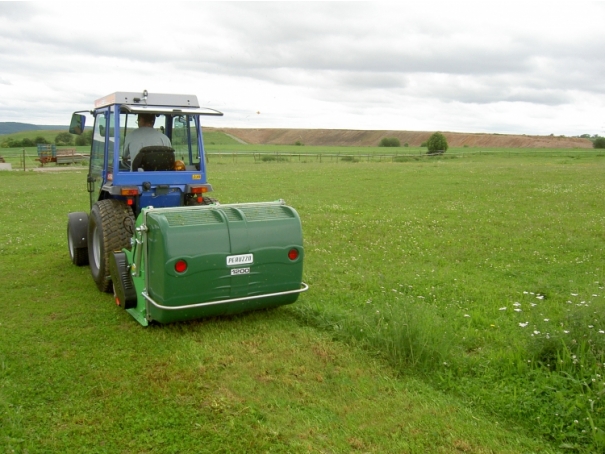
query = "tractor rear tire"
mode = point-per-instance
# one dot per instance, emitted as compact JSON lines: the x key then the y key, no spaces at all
{"x":77,"y":237}
{"x":110,"y":229}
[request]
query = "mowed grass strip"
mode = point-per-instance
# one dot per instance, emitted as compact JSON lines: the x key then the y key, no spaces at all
{"x":78,"y":375}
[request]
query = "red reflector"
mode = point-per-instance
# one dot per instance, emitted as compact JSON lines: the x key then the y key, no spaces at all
{"x":130,"y":202}
{"x":293,"y":254}
{"x":180,"y":266}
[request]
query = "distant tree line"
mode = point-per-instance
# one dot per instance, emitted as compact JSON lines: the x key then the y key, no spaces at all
{"x":437,"y":143}
{"x":61,"y":139}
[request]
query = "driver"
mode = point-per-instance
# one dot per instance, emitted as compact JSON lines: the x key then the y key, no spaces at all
{"x":144,"y":136}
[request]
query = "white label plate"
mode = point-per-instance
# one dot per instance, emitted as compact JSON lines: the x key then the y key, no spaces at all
{"x":243,"y":259}
{"x":238,"y":271}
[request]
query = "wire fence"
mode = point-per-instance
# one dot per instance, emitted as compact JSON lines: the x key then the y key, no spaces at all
{"x":14,"y":159}
{"x":238,"y":156}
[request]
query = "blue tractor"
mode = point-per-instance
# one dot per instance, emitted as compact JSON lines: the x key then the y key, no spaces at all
{"x":154,"y":237}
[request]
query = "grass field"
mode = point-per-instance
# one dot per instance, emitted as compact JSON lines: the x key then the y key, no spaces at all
{"x":455,"y":306}
{"x":222,"y":149}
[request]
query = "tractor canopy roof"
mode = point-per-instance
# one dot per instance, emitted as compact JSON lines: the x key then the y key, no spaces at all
{"x":170,"y":110}
{"x":158,"y":103}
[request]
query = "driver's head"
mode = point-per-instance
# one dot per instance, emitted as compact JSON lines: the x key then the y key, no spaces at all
{"x":146,"y":120}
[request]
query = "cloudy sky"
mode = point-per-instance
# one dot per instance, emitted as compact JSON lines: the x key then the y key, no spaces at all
{"x":505,"y":67}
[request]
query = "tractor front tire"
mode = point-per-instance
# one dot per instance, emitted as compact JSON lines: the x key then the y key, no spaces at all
{"x":110,"y":229}
{"x":77,"y":237}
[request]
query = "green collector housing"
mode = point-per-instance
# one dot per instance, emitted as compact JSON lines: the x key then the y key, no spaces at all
{"x":192,"y":262}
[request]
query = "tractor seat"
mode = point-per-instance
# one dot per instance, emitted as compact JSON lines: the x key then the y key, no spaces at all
{"x":154,"y":158}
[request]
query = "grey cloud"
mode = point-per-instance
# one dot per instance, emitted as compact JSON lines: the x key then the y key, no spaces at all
{"x":16,"y":10}
{"x":340,"y":53}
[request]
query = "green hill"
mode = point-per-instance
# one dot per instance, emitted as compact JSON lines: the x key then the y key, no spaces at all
{"x":10,"y":127}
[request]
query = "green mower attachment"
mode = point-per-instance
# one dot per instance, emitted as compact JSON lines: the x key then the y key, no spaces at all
{"x":192,"y":262}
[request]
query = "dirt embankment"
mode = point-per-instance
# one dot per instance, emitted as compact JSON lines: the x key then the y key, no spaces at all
{"x":343,"y":137}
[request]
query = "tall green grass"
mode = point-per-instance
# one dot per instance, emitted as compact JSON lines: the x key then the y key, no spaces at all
{"x":484,"y":275}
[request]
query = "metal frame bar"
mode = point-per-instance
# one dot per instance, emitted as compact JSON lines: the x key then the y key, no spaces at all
{"x":214,"y":303}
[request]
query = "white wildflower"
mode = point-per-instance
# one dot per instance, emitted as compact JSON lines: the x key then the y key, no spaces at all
{"x":523,"y":325}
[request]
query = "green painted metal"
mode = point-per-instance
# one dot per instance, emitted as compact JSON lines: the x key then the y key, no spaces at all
{"x":237,"y":259}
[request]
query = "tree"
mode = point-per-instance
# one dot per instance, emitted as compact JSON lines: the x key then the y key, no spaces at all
{"x":599,"y":142}
{"x":64,"y":138}
{"x":437,"y":143}
{"x":84,"y":139}
{"x":389,"y":142}
{"x":41,"y":140}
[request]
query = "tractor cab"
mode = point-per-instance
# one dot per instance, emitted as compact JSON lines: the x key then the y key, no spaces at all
{"x":162,"y":176}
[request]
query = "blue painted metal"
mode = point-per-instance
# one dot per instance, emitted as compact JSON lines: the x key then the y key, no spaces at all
{"x":160,"y":188}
